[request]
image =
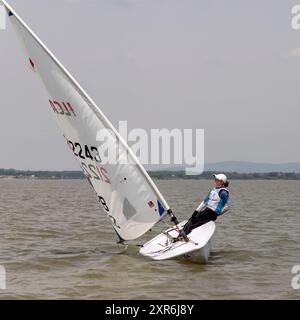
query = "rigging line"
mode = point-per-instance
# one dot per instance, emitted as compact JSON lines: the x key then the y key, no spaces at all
{"x":168,"y":248}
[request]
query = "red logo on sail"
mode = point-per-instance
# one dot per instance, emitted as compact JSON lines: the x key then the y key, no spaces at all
{"x":62,"y":108}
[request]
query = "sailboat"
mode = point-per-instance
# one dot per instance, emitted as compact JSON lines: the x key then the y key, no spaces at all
{"x":128,"y":196}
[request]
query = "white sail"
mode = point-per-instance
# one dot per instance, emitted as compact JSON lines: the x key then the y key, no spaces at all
{"x":126,"y":192}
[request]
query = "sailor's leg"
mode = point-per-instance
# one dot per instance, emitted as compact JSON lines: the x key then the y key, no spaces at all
{"x":200,"y":219}
{"x":187,"y":228}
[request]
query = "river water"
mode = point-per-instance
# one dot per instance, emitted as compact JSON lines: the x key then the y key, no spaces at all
{"x":56,"y":243}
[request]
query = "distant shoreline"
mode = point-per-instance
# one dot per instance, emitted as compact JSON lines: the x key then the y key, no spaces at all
{"x":164,"y":175}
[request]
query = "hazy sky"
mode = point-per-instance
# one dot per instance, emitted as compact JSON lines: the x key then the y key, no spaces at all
{"x":231,"y":67}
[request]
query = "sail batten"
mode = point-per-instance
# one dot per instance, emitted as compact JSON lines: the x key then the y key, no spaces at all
{"x":125,"y":191}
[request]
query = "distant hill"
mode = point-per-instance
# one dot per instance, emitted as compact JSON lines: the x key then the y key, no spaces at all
{"x":241,"y":167}
{"x":251,"y":167}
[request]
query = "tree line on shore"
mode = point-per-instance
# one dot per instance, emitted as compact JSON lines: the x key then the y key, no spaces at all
{"x":165,"y":174}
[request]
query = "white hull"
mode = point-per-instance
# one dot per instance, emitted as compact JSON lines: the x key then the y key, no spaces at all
{"x":200,"y":255}
{"x":196,"y":249}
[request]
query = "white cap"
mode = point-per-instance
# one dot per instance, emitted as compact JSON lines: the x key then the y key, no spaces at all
{"x":221,"y":177}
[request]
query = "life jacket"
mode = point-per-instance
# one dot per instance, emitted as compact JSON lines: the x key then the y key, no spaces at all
{"x":213,"y":200}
